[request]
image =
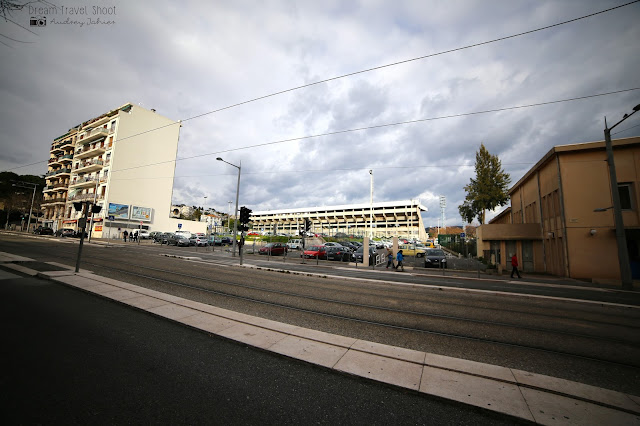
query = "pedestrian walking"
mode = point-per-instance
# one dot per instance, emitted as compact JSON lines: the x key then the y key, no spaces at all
{"x":514,"y":265}
{"x":125,"y":234}
{"x":389,"y":258}
{"x":400,"y":258}
{"x":135,"y":237}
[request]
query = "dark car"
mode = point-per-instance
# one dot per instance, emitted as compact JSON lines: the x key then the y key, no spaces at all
{"x":164,"y":237}
{"x":342,"y":254}
{"x":43,"y":230}
{"x":349,"y":244}
{"x":154,"y":235}
{"x":435,"y":258}
{"x":66,"y":232}
{"x":225,"y":240}
{"x":332,"y":245}
{"x":215,"y":240}
{"x":357,"y":255}
{"x":319,"y":252}
{"x":273,"y":249}
{"x":178,"y":240}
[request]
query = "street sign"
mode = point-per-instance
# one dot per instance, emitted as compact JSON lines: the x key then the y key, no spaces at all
{"x":179,"y":226}
{"x":462,"y":235}
{"x":112,"y":218}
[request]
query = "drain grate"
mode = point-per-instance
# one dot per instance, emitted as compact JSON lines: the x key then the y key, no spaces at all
{"x":40,"y":266}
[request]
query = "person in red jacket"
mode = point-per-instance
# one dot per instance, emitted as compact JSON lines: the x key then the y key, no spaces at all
{"x":514,"y":265}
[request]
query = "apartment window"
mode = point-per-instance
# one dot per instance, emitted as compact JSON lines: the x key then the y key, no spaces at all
{"x":626,"y":195}
{"x":113,"y":125}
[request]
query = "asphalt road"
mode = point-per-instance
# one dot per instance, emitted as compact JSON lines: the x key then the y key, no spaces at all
{"x":148,"y":266}
{"x":73,"y":358}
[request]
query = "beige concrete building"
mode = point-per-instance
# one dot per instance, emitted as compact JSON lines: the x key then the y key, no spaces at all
{"x":552,"y":223}
{"x":124,"y":160}
{"x":383,"y":219}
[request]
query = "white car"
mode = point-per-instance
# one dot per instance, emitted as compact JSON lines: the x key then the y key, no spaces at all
{"x":294,"y":244}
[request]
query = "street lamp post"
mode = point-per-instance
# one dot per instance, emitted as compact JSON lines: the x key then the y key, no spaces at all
{"x":621,"y":240}
{"x":235,"y":222}
{"x":26,"y":185}
{"x":371,"y":207}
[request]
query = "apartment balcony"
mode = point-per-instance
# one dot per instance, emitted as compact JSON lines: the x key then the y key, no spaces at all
{"x":62,"y":186}
{"x":53,"y":161}
{"x":89,"y":166}
{"x":48,"y":188}
{"x":93,"y":135}
{"x":54,"y":200}
{"x":87,"y":152}
{"x":58,"y":173}
{"x":66,"y":145}
{"x":83,"y":183}
{"x":85,"y":197}
{"x":67,"y":158}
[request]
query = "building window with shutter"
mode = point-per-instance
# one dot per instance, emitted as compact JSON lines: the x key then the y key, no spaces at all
{"x":626,"y":196}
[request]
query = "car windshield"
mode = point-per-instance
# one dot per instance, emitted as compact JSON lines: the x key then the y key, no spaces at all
{"x":316,"y":248}
{"x":435,"y":253}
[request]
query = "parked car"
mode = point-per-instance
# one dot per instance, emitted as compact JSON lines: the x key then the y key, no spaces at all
{"x":331,"y":244}
{"x":154,"y":235}
{"x":226,"y":240}
{"x":339,"y":253}
{"x":412,"y":250}
{"x":164,"y":238}
{"x":201,"y":239}
{"x":43,"y":230}
{"x":295,"y":244}
{"x":435,"y":258}
{"x":215,"y":240}
{"x":143,"y":234}
{"x":178,"y":240}
{"x":319,"y":252}
{"x":65,"y":232}
{"x":357,"y":255}
{"x":273,"y":249}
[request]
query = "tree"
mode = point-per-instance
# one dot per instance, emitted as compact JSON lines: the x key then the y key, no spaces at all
{"x":488,"y":190}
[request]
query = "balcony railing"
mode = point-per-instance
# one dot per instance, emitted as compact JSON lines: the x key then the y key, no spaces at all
{"x":89,"y":152}
{"x":89,"y":166}
{"x":57,"y":172}
{"x":80,"y":181}
{"x":85,"y":197}
{"x":92,"y":135}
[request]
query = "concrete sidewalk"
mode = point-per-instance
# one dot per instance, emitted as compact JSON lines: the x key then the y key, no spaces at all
{"x":524,"y":395}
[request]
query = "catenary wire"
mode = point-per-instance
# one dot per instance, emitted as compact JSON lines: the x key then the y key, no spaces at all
{"x":421,"y":120}
{"x":364,"y":71}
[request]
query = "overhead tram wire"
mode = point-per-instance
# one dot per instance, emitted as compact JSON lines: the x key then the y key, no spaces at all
{"x":365,"y":71}
{"x":400,"y":123}
{"x":378,"y":126}
{"x":457,"y":49}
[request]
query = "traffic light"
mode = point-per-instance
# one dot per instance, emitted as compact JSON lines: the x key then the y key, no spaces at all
{"x":244,"y":215}
{"x":307,"y":225}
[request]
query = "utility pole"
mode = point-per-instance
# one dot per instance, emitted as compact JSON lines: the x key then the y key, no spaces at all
{"x":621,"y":240}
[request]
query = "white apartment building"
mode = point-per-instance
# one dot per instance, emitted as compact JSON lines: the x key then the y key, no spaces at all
{"x":124,"y":160}
{"x":383,"y":219}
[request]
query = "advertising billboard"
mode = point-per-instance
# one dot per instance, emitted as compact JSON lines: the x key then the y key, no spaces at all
{"x":119,"y":211}
{"x":141,"y":213}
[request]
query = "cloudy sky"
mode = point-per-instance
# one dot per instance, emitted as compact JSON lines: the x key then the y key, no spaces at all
{"x":186,"y":59}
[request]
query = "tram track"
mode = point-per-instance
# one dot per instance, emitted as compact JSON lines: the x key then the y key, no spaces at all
{"x":127,"y":269}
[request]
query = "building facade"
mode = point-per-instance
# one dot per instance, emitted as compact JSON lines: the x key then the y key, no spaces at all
{"x":124,"y":161}
{"x":385,"y":219}
{"x":560,"y":220}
